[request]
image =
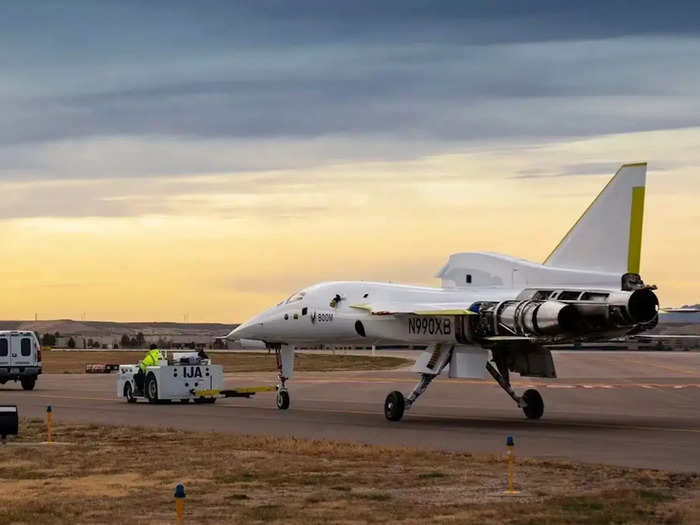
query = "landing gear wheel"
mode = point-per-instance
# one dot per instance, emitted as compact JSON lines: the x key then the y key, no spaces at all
{"x":151,"y":389}
{"x":28,"y":382}
{"x":282,"y":399}
{"x":534,"y":405}
{"x":129,"y":393}
{"x":394,"y":406}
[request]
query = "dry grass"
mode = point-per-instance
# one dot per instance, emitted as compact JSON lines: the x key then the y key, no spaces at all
{"x":58,"y":362}
{"x":112,"y":474}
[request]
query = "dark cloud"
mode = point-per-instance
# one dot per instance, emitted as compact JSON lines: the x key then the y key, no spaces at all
{"x":422,"y":73}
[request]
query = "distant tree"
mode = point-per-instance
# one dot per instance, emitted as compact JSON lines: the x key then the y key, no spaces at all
{"x":115,"y":346}
{"x":140,"y":340}
{"x":96,"y":344}
{"x":48,"y":340}
{"x":71,"y":343}
{"x":57,"y":335}
{"x":124,"y":342}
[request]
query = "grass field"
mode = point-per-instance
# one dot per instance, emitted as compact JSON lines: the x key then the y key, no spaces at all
{"x":58,"y":362}
{"x":111,"y":474}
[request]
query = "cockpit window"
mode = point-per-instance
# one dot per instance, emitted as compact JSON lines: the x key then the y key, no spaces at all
{"x":295,"y":297}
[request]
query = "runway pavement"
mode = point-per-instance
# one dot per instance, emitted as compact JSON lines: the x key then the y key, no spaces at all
{"x":620,"y":408}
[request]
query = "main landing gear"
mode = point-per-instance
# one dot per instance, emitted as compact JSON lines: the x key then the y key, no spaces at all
{"x":531,"y":400}
{"x":396,"y":404}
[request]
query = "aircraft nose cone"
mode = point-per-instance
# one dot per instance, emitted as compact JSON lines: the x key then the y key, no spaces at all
{"x":246,"y":330}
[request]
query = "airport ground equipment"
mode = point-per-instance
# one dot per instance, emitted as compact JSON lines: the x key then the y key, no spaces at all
{"x":9,"y":421}
{"x":101,"y":368}
{"x":20,"y":357}
{"x":182,"y":377}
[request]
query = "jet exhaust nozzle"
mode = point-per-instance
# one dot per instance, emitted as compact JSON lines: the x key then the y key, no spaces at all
{"x":525,"y":318}
{"x":554,"y":317}
{"x":643,"y":306}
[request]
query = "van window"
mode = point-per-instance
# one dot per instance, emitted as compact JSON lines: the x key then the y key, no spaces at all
{"x":26,"y":348}
{"x":3,"y":347}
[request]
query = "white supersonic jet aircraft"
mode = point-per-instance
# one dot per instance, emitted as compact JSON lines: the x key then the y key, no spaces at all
{"x":493,"y":312}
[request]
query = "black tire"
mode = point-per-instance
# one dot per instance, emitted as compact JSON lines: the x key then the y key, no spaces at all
{"x":282,"y":399}
{"x":129,"y":393}
{"x":28,"y":382}
{"x":534,"y":406}
{"x":394,"y":406}
{"x":151,"y":388}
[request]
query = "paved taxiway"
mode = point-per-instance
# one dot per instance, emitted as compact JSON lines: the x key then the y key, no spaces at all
{"x":622,"y":408}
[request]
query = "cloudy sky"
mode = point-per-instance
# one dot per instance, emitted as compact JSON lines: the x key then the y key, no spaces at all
{"x":163,"y":158}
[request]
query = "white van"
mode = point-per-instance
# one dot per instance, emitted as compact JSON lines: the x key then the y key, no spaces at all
{"x":20,"y":357}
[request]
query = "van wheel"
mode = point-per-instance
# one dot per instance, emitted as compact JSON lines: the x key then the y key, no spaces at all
{"x":28,"y":382}
{"x":151,"y":388}
{"x":129,"y":393}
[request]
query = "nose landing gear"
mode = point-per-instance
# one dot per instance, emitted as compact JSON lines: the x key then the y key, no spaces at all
{"x":285,"y":364}
{"x":282,"y":398}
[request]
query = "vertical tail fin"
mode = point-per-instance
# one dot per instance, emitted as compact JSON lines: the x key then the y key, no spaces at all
{"x":608,"y":236}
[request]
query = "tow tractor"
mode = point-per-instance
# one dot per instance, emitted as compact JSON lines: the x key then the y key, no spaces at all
{"x":182,"y":377}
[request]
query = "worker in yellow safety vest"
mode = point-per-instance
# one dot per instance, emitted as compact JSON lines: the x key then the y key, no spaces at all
{"x":150,"y":359}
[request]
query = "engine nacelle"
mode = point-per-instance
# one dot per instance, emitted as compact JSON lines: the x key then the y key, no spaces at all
{"x":523,"y":318}
{"x":575,"y":314}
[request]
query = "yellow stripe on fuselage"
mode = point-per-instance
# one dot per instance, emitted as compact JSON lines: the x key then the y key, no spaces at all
{"x":636,"y":219}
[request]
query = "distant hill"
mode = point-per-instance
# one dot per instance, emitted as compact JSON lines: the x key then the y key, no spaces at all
{"x":681,"y":318}
{"x":111,"y":328}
